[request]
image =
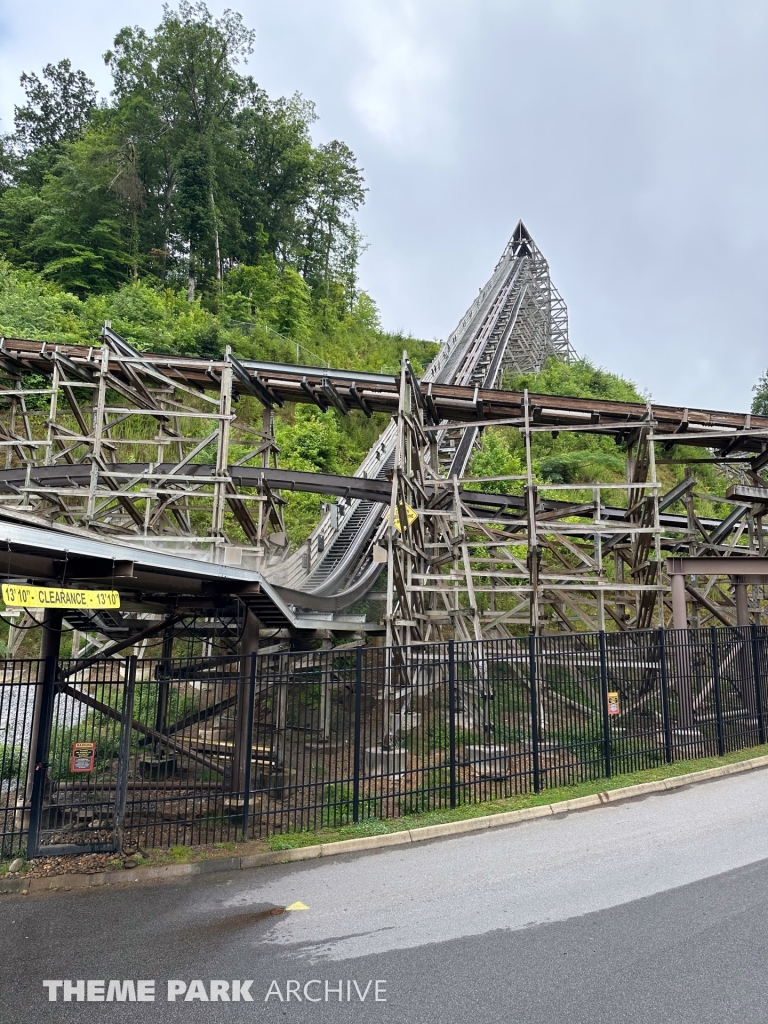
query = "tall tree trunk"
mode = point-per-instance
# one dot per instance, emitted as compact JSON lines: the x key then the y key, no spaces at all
{"x":134,"y":245}
{"x":217,"y":250}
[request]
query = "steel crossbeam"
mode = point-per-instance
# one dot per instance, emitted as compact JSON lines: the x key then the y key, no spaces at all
{"x":149,"y":449}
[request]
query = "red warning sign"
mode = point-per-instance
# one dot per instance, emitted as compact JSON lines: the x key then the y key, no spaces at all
{"x":613,"y":703}
{"x":83,"y":757}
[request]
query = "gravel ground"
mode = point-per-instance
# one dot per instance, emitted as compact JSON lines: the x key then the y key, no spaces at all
{"x":95,"y":863}
{"x":85,"y":864}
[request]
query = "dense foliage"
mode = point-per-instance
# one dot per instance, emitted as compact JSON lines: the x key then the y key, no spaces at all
{"x":565,"y":457}
{"x":559,"y":457}
{"x":274,"y":318}
{"x":760,"y":401}
{"x":194,"y":212}
{"x":188,"y":170}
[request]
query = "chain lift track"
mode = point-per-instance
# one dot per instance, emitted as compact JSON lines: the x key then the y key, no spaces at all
{"x":149,"y":451}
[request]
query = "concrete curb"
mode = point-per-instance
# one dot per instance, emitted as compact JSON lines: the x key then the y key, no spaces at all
{"x":174,"y":872}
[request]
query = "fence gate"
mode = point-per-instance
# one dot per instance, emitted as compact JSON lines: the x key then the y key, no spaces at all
{"x":81,"y":759}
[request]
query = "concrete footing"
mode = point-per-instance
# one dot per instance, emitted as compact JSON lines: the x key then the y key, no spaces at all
{"x":385,"y":762}
{"x":489,"y":760}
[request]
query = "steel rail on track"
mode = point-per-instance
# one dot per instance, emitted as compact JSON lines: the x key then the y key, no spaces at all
{"x":499,"y":330}
{"x":494,"y":506}
{"x":453,"y":403}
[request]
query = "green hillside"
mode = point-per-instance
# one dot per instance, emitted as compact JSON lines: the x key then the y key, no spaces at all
{"x":196,"y":212}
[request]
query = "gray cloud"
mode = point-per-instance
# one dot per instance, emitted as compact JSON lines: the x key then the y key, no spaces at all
{"x":630,"y":137}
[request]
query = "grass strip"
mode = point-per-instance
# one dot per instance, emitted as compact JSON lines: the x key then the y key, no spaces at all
{"x":379,"y":826}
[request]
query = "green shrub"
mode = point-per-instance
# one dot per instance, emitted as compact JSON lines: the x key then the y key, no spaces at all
{"x":13,"y":763}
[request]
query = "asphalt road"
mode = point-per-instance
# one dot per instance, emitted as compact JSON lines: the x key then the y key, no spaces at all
{"x":652,"y":910}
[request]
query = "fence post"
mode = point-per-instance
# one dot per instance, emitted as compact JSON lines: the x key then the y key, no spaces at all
{"x":41,"y":755}
{"x":124,"y":751}
{"x":665,"y":696}
{"x":452,"y":717}
{"x":604,"y":692}
{"x":249,"y":748}
{"x":534,"y":712}
{"x":758,"y":684}
{"x":165,"y":666}
{"x":356,"y":763}
{"x":718,"y":702}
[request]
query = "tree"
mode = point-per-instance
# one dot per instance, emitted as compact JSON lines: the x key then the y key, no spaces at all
{"x":58,"y":107}
{"x":186,"y":74}
{"x":19,"y":208}
{"x":9,"y":162}
{"x":760,"y":401}
{"x":275,"y":177}
{"x":188,"y":171}
{"x":77,"y":237}
{"x":58,"y":110}
{"x":327,"y":224}
{"x":128,"y":186}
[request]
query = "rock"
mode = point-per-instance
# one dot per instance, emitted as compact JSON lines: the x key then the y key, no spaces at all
{"x":130,"y":864}
{"x":16,"y":865}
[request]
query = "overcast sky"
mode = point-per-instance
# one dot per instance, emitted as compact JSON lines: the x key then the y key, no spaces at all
{"x":631,"y":137}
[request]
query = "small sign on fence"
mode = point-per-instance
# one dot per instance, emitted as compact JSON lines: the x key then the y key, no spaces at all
{"x":613,"y":703}
{"x":22,"y":596}
{"x":83,"y":757}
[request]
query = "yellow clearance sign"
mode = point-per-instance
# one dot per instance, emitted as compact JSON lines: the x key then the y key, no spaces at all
{"x":21,"y":596}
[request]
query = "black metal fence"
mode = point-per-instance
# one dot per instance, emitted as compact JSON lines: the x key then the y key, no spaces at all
{"x":196,"y":751}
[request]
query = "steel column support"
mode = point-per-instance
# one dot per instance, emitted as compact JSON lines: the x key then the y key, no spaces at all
{"x":679,"y":611}
{"x":241,"y":752}
{"x":50,"y":645}
{"x":742,"y":601}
